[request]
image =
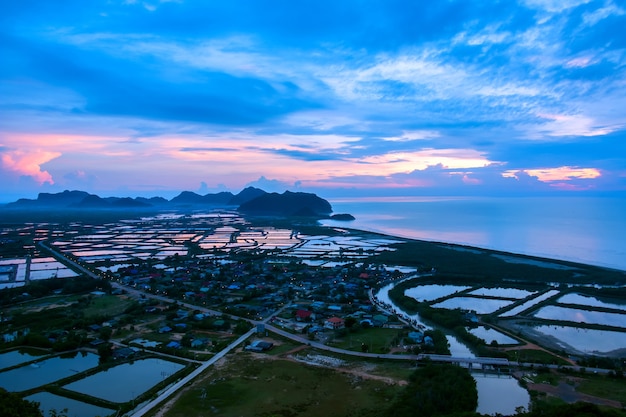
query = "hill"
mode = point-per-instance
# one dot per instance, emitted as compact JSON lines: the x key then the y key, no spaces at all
{"x":287,"y":204}
{"x":253,"y":201}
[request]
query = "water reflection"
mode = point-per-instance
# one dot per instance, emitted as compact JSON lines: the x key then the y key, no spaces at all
{"x":15,"y":357}
{"x":432,"y":292}
{"x":499,"y":394}
{"x":479,"y":305}
{"x":124,"y":382}
{"x":586,"y":340}
{"x":490,"y":335}
{"x":46,"y":371}
{"x":74,"y":408}
{"x":581,"y":316}
{"x":589,"y":301}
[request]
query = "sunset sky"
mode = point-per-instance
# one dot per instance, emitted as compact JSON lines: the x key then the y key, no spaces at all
{"x":335,"y":97}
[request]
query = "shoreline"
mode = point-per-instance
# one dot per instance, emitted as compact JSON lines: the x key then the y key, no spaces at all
{"x":484,"y":250}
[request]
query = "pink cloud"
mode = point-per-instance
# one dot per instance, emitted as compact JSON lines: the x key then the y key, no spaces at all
{"x":29,"y":164}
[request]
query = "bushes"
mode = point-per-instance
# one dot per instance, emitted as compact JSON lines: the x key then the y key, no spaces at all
{"x":436,"y":390}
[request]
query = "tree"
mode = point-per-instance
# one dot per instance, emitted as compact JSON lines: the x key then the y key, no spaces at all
{"x":105,"y":352}
{"x":12,"y":405}
{"x":437,"y":390}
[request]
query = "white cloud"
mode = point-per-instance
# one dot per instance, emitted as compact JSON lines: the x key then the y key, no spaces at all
{"x":573,"y":125}
{"x":609,"y":9}
{"x":554,"y":6}
{"x":410,"y":135}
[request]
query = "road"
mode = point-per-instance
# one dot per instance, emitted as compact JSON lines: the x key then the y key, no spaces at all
{"x":178,"y":385}
{"x":297,"y":338}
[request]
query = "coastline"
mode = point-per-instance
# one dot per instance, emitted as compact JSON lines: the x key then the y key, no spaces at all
{"x":529,"y":259}
{"x":579,"y":229}
{"x":538,"y":258}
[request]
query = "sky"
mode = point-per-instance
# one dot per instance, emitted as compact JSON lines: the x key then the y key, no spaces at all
{"x":340,"y":98}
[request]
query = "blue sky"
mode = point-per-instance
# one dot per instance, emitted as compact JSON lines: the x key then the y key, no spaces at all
{"x":342,"y":98}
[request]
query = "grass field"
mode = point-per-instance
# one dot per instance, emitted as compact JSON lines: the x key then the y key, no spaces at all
{"x":252,"y":385}
{"x":535,"y":356}
{"x":107,"y":305}
{"x":379,"y":340}
{"x":605,"y":387}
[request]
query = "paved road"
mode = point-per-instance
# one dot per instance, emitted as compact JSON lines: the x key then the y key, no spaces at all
{"x":172,"y":389}
{"x":178,"y":385}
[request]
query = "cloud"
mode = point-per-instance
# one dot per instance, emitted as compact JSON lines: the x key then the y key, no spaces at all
{"x":411,"y":135}
{"x":573,"y":125}
{"x":564,"y":173}
{"x":28,"y":164}
{"x":610,"y":9}
{"x":270,"y":185}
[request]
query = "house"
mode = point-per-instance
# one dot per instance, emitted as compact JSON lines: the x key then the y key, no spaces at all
{"x":259,"y":346}
{"x":429,"y":341}
{"x":201,"y":316}
{"x":165,"y":329}
{"x":173,"y":345}
{"x":334,"y":323}
{"x":123,"y":353}
{"x":304,"y":315}
{"x":94,"y":327}
{"x":199,"y":343}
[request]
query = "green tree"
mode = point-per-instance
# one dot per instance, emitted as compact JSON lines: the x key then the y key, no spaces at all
{"x":437,"y":390}
{"x":12,"y":405}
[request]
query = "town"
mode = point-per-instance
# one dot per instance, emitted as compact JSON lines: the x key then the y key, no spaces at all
{"x":172,"y":293}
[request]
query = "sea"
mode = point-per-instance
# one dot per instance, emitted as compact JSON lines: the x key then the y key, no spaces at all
{"x":590,"y":230}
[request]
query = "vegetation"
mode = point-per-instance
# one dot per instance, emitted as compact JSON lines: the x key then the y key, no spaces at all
{"x":12,"y":405}
{"x":480,"y":265}
{"x":253,"y":386}
{"x":436,"y":390}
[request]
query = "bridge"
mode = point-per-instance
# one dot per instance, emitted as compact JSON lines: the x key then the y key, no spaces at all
{"x":482,"y":361}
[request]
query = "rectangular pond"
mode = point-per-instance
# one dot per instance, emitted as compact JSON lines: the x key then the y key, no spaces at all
{"x":433,"y":291}
{"x":489,"y":335}
{"x":528,"y":304}
{"x":48,"y":401}
{"x":124,"y":382}
{"x":503,"y":292}
{"x":589,"y":341}
{"x":581,"y":316}
{"x":479,"y":305}
{"x":15,"y":357}
{"x":589,"y":301}
{"x":46,"y":371}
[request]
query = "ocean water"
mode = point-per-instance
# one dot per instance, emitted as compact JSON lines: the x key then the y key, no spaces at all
{"x":589,"y":230}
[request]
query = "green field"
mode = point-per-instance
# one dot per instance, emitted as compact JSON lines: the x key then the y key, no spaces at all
{"x":255,"y":386}
{"x":106,"y":305}
{"x":604,"y":387}
{"x":378,"y":340}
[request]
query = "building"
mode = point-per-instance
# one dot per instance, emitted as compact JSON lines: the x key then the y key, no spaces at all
{"x":334,"y":323}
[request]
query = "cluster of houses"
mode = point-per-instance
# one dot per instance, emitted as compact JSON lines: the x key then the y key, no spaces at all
{"x":254,"y":288}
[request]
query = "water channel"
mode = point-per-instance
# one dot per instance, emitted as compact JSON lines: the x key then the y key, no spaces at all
{"x":497,"y":394}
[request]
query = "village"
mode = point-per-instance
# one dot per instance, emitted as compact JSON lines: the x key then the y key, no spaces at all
{"x":171,"y":294}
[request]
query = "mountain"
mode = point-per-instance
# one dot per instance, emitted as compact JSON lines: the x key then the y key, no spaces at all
{"x":191,"y":198}
{"x":44,"y":200}
{"x":245,"y":195}
{"x":287,"y":204}
{"x":250,"y":200}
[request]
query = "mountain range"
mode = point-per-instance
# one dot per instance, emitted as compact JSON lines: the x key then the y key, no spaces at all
{"x":251,"y":201}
